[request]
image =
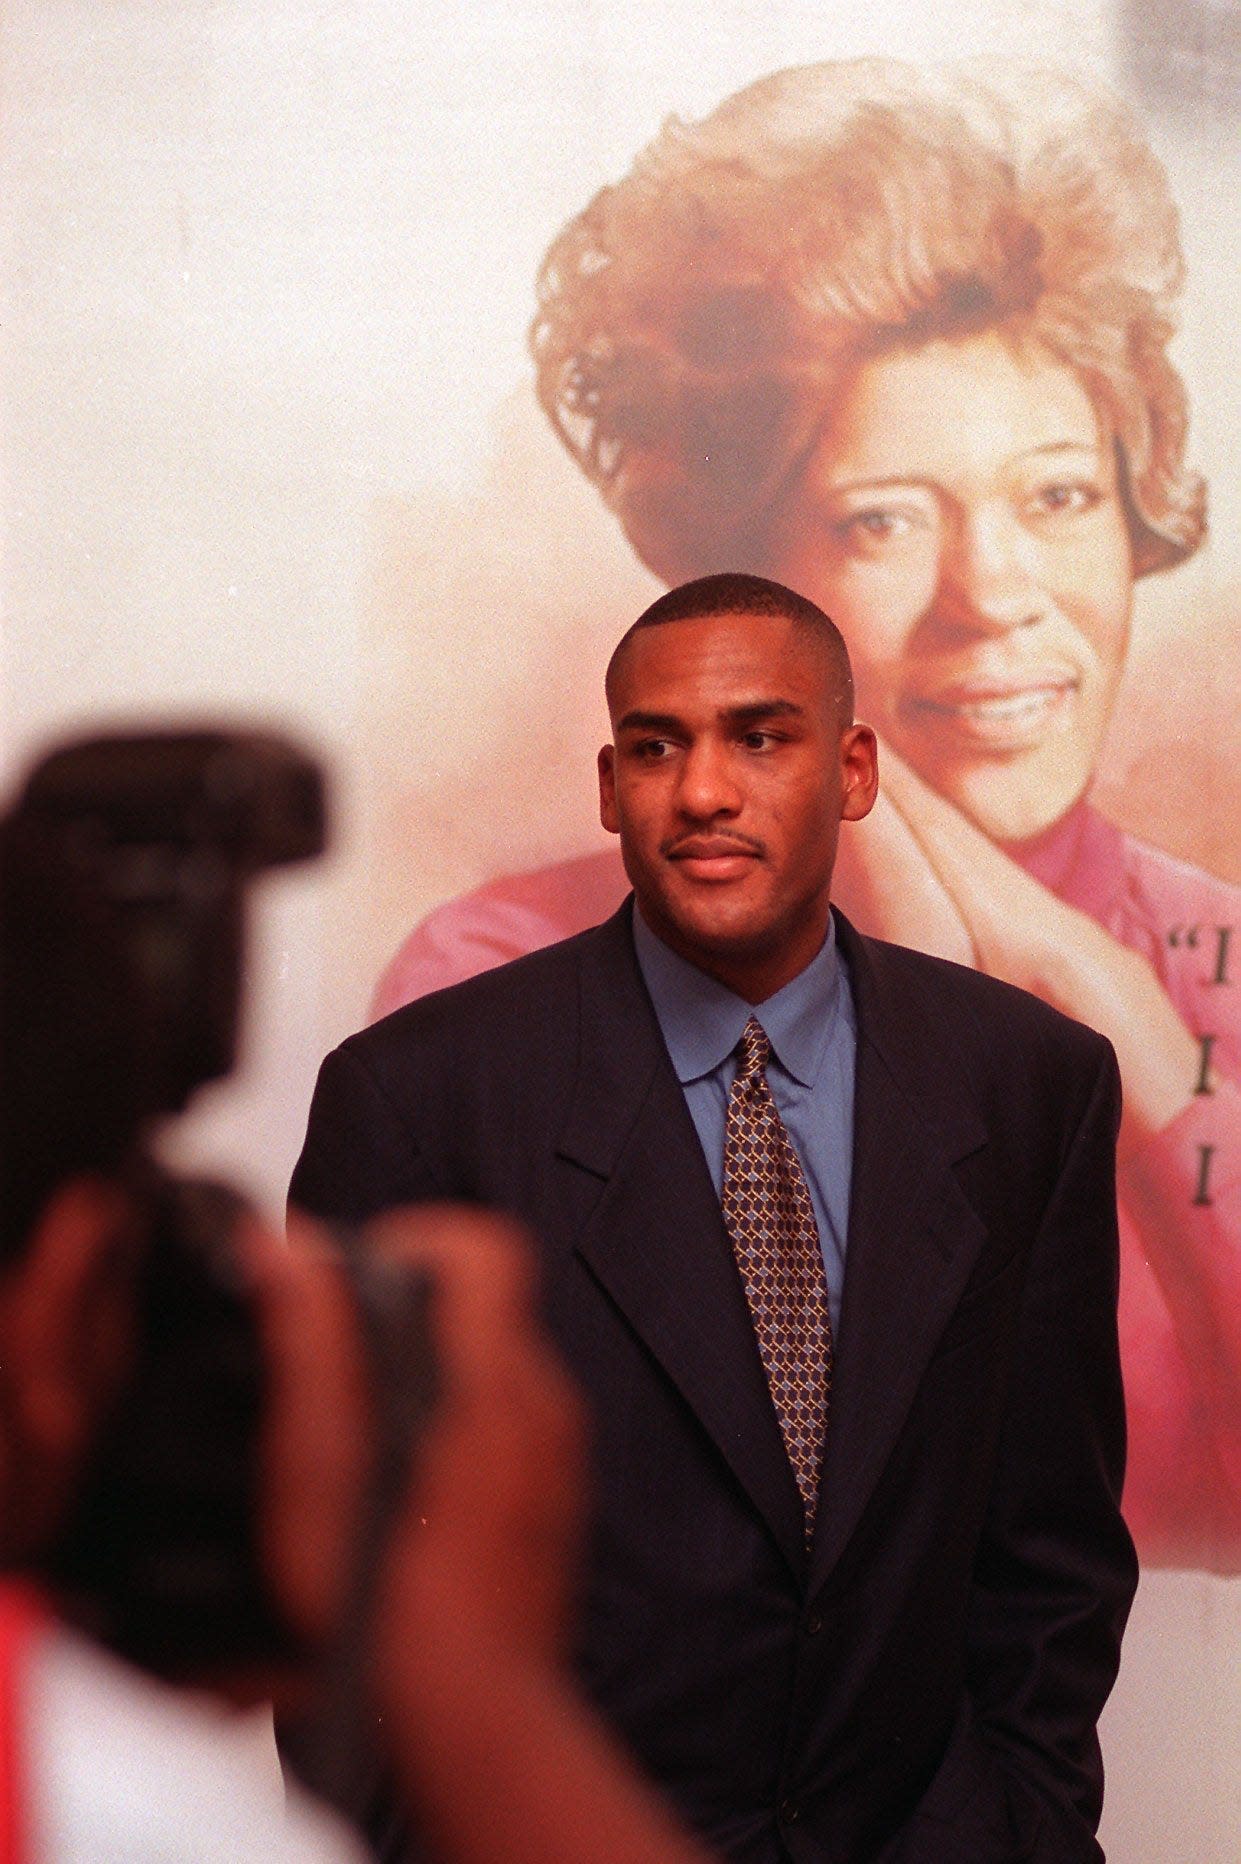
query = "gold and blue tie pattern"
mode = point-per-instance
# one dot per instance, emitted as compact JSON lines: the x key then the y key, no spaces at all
{"x":770,"y":1218}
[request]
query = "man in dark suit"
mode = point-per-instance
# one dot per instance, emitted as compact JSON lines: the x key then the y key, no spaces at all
{"x":845,"y":1309}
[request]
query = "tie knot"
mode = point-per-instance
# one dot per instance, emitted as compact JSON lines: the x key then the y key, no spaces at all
{"x":754,"y":1049}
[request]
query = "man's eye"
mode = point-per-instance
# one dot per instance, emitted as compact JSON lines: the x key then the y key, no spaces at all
{"x":758,"y":740}
{"x":653,"y":750}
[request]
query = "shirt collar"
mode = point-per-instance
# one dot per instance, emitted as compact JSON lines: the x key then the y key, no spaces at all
{"x":701,"y":1019}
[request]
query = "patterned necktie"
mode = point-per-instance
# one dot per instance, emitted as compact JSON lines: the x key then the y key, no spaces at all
{"x":770,"y":1218}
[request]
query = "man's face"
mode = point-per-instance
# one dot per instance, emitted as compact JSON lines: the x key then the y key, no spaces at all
{"x":727,"y":781}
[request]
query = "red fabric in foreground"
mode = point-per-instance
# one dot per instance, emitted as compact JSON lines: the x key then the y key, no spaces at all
{"x":22,"y":1616}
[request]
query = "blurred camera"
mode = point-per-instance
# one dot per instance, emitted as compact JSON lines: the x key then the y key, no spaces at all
{"x":152,"y":840}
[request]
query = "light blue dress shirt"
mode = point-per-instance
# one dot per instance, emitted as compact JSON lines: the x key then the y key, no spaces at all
{"x":812,"y":1029}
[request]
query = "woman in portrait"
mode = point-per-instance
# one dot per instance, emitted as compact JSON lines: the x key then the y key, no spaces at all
{"x":899,"y":339}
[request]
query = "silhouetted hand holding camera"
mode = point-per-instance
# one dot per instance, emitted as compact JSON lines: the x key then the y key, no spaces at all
{"x":341,"y":1474}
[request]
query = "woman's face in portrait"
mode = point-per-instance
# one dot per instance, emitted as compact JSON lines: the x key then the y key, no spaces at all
{"x":961,"y":521}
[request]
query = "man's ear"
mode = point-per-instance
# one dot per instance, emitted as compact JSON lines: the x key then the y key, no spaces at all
{"x":859,"y":764}
{"x":67,"y":1325}
{"x":607,"y":790}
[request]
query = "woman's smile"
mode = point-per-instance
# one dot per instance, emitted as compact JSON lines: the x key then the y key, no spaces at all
{"x":998,"y":712}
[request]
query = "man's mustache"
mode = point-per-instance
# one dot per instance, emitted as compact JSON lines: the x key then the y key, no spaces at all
{"x":710,"y":842}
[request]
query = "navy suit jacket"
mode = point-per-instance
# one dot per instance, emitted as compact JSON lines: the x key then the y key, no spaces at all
{"x":924,"y":1686}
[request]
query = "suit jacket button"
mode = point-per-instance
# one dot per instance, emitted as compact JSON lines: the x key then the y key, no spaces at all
{"x":814,"y":1624}
{"x":789,"y":1812}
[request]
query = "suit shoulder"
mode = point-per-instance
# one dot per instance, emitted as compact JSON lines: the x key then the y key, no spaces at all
{"x":528,"y":994}
{"x":930,"y":988}
{"x":966,"y":1047}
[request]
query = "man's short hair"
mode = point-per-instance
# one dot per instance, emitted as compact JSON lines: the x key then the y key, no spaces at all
{"x":735,"y":592}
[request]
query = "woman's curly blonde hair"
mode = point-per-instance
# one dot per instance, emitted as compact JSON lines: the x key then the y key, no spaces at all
{"x":696,"y":319}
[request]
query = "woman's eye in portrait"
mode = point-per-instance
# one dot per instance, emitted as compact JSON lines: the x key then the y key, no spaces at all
{"x":874,"y":529}
{"x":1066,"y":496}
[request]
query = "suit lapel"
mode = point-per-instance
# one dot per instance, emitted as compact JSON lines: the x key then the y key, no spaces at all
{"x":913,"y":1239}
{"x":655,"y":1239}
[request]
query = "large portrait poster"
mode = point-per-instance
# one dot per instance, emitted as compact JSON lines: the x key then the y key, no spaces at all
{"x":369,"y":367}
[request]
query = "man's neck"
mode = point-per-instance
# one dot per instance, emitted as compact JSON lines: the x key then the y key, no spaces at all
{"x":753,"y":976}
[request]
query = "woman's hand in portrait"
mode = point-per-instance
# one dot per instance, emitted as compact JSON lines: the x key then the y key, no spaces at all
{"x":884,"y":879}
{"x":1020,"y":931}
